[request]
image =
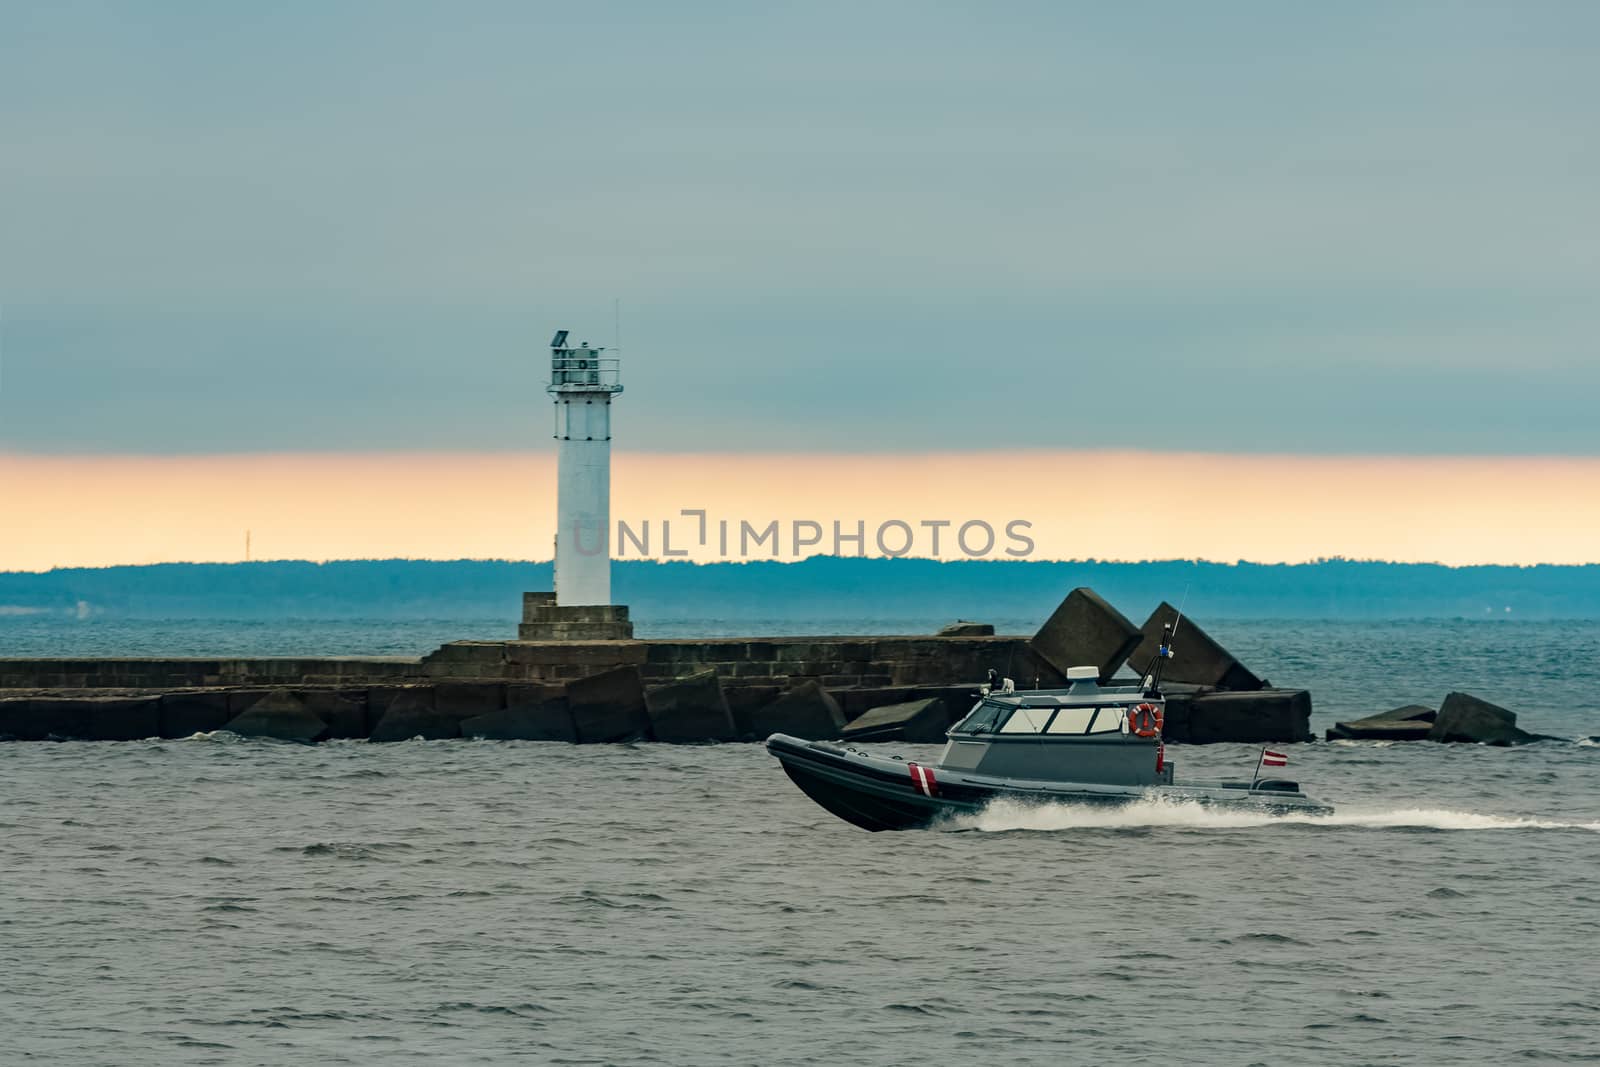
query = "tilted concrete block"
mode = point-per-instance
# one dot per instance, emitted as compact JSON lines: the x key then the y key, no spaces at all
{"x":241,"y":700}
{"x":691,"y":709}
{"x":281,"y":716}
{"x":856,"y":701}
{"x":412,"y":715}
{"x":745,"y":700}
{"x":806,"y":711}
{"x":609,"y":707}
{"x":1473,"y":720}
{"x":345,"y":711}
{"x":1086,"y":631}
{"x":962,"y":628}
{"x":921,"y":722}
{"x":1413,"y":722}
{"x":1197,"y":659}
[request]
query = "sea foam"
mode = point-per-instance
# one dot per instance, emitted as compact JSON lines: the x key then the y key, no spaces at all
{"x":1008,"y":815}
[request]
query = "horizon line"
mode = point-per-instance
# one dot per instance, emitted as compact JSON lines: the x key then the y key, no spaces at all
{"x":824,"y":557}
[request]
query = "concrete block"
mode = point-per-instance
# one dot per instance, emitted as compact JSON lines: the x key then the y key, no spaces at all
{"x":1466,"y":718}
{"x":187,"y":714}
{"x":1262,"y":716}
{"x":752,"y":669}
{"x":1197,"y":659}
{"x":543,"y":621}
{"x":533,"y":613}
{"x":467,"y":700}
{"x":610,"y":707}
{"x":520,"y":693}
{"x":1413,"y":722}
{"x":690,"y":710}
{"x":574,"y":631}
{"x":589,"y":656}
{"x":856,"y":701}
{"x":916,"y":721}
{"x":281,"y":716}
{"x":489,"y":655}
{"x":815,"y":668}
{"x":657,"y":673}
{"x":97,"y":718}
{"x":241,"y":700}
{"x":962,"y":628}
{"x":541,"y":720}
{"x":532,"y":601}
{"x":959,"y":699}
{"x":745,"y":700}
{"x":850,"y":650}
{"x":18,"y":721}
{"x":1180,"y":700}
{"x":806,"y":711}
{"x":411,"y":715}
{"x":1085,"y":631}
{"x":345,"y":711}
{"x":379,"y":697}
{"x":1017,"y":661}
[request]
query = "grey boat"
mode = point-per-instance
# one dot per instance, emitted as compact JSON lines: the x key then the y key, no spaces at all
{"x":1085,"y":744}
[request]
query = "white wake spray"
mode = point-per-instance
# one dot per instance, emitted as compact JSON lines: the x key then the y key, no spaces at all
{"x":1007,"y":815}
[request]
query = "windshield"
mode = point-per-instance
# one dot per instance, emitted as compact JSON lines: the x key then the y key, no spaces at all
{"x":982,"y":719}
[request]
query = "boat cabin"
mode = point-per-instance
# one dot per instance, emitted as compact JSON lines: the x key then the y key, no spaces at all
{"x":1084,"y":733}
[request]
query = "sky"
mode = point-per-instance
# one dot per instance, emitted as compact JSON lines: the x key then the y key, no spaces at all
{"x":340,"y":234}
{"x":1070,"y":505}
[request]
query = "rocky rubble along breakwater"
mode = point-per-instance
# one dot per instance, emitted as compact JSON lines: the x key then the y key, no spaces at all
{"x":905,"y":688}
{"x":1461,"y":718}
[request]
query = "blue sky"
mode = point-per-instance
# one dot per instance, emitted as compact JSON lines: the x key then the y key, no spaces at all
{"x":1256,"y":227}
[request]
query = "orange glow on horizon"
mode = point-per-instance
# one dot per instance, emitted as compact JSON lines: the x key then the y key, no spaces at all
{"x":104,"y":510}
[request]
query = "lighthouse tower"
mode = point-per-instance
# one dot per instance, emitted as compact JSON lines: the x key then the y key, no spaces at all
{"x":583,"y":381}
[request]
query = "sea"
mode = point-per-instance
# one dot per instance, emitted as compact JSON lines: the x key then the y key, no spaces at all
{"x":215,"y":900}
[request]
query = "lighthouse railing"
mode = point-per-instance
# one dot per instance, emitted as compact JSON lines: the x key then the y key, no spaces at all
{"x":585,"y":372}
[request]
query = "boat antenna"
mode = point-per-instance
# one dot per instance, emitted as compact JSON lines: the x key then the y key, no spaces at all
{"x":1181,"y":605}
{"x":1152,"y":674}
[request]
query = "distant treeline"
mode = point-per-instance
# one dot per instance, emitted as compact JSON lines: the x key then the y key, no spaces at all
{"x":820,"y":587}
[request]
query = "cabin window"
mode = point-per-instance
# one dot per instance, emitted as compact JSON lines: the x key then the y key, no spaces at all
{"x":982,"y":719}
{"x":1071,"y":721}
{"x":1109,"y":721}
{"x":1027,"y":721}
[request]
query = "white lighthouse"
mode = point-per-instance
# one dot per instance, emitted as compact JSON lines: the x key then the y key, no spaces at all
{"x":583,"y":381}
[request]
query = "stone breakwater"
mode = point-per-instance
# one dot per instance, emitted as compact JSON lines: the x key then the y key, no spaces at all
{"x":907,"y":688}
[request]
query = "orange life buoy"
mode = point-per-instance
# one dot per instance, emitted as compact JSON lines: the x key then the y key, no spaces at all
{"x":1145,"y":720}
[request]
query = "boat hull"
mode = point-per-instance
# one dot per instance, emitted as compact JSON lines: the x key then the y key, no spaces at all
{"x":881,"y":793}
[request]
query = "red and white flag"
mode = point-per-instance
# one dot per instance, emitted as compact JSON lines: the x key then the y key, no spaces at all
{"x":1270,"y":758}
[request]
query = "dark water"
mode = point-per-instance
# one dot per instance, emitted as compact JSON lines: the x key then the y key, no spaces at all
{"x":223,"y":901}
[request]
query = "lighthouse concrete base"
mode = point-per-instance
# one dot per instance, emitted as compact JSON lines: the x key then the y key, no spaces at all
{"x":545,"y":620}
